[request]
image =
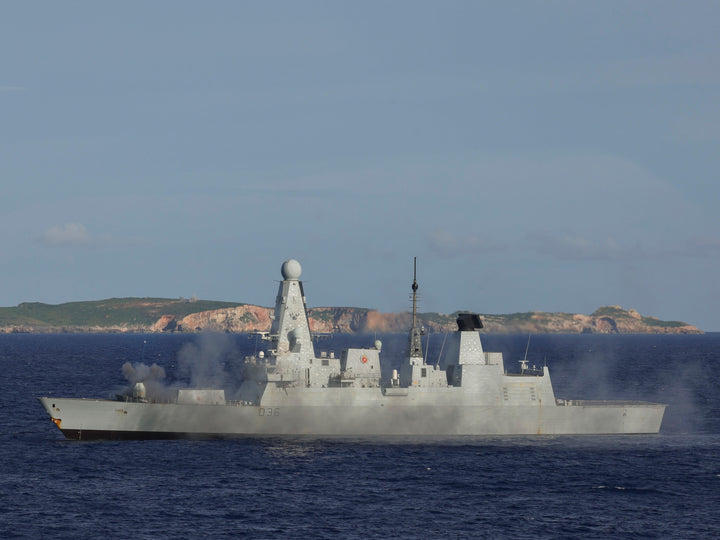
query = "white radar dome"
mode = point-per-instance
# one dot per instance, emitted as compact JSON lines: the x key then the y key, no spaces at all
{"x":291,"y":269}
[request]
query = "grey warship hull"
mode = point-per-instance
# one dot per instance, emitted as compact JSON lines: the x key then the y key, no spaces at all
{"x":84,"y":419}
{"x":294,"y":392}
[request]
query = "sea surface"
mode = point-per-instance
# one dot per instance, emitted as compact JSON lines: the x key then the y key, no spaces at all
{"x":658,"y":486}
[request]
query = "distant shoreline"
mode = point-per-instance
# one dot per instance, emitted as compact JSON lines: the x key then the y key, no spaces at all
{"x":160,"y":315}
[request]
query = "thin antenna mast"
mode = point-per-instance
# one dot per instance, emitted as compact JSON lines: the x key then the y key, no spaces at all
{"x":415,"y":344}
{"x":523,"y":362}
{"x":527,"y":347}
{"x":414,"y":290}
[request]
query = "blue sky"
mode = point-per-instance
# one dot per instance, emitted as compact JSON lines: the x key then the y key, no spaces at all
{"x":553,"y":156}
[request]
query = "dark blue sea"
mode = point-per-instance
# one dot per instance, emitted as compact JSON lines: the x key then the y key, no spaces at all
{"x":659,"y":486}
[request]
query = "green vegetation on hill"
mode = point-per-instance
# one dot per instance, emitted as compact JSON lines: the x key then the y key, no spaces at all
{"x":326,"y":314}
{"x":517,"y":317}
{"x":110,"y":312}
{"x":610,"y":311}
{"x":141,"y":314}
{"x":616,"y":312}
{"x":438,"y":318}
{"x":652,"y":321}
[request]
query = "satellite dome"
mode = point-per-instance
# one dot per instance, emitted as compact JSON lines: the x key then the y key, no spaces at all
{"x":291,"y":269}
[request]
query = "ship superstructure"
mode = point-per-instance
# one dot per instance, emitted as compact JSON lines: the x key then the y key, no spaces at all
{"x":290,"y":390}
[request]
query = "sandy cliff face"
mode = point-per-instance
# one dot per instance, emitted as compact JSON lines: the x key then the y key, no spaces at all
{"x":363,"y":321}
{"x":249,"y":318}
{"x":605,"y":320}
{"x":610,"y":320}
{"x":238,"y":319}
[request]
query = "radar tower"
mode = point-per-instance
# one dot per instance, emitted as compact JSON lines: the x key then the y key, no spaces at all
{"x":415,"y":345}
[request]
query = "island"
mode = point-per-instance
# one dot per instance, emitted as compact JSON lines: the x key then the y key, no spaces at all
{"x":162,"y":315}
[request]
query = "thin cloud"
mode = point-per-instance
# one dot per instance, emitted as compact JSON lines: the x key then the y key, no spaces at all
{"x":68,"y":234}
{"x":672,"y":70}
{"x":11,"y":88}
{"x":77,"y":235}
{"x":580,"y":248}
{"x":698,"y":126}
{"x":700,"y":247}
{"x":452,"y":244}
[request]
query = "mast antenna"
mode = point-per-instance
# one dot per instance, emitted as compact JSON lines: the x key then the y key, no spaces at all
{"x":523,"y":362}
{"x":415,"y":345}
{"x":414,"y":290}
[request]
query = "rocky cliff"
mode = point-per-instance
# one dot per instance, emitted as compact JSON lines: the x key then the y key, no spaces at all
{"x":240,"y":319}
{"x":606,"y":320}
{"x":168,"y":315}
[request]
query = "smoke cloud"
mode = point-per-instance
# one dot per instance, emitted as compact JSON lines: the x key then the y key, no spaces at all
{"x":140,"y":372}
{"x":208,"y":362}
{"x":153,"y":377}
{"x":211,"y":362}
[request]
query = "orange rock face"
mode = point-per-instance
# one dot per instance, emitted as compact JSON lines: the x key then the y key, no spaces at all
{"x":356,"y":320}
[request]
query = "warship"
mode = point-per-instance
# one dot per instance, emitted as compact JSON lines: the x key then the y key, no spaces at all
{"x":290,"y":390}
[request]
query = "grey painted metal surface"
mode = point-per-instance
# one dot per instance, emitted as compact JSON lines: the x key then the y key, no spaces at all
{"x":291,"y":391}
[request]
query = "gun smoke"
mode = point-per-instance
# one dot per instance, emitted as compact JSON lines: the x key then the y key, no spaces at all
{"x":212,"y":361}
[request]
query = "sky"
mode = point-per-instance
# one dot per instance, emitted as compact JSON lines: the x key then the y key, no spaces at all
{"x":550,"y":156}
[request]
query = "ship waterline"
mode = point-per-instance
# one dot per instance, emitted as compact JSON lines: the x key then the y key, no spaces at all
{"x":107,"y":419}
{"x":289,"y":391}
